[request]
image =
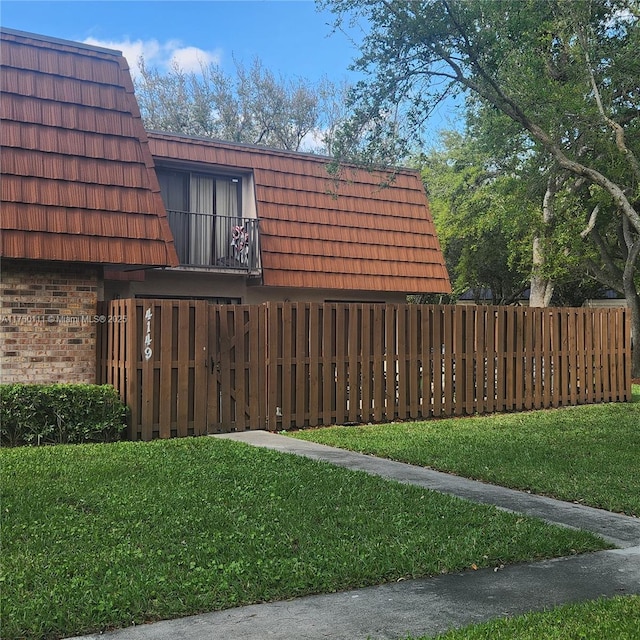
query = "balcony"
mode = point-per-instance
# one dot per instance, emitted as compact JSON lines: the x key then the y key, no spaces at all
{"x":215,"y":242}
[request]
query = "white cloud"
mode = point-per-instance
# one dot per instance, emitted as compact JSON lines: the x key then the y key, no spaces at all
{"x":160,"y":55}
{"x":313,"y":141}
{"x":192,"y":58}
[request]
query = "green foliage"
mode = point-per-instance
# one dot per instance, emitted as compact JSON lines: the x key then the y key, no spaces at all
{"x":103,"y":535}
{"x":486,"y":195}
{"x":617,"y":618}
{"x":554,"y":83}
{"x":35,"y":414}
{"x":483,"y":216}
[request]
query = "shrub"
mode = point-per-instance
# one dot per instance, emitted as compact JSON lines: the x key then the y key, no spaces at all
{"x":60,"y":413}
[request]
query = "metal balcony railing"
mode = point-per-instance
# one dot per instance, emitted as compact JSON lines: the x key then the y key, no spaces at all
{"x":220,"y":242}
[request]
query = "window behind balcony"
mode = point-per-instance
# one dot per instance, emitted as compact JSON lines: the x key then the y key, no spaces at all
{"x":203,"y":210}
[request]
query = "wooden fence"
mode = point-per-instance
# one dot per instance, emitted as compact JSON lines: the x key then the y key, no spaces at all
{"x":190,"y":368}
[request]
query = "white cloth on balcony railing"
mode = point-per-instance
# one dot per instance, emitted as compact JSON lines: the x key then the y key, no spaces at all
{"x":240,"y":244}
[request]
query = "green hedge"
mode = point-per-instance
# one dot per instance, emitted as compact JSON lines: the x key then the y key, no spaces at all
{"x":35,"y":414}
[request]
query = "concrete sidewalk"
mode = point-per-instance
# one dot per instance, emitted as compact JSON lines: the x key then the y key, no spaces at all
{"x":429,"y":605}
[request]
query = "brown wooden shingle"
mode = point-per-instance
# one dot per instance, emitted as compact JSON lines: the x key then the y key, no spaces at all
{"x":77,"y":175}
{"x":322,"y":231}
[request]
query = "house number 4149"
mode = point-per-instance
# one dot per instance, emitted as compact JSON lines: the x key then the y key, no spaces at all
{"x":148,"y":352}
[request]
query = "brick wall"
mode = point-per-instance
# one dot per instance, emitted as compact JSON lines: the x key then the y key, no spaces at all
{"x":47,"y":322}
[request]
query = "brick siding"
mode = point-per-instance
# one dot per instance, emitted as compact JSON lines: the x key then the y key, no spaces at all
{"x":48,"y":322}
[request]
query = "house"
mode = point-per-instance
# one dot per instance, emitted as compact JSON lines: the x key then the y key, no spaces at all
{"x":94,"y":207}
{"x":252,"y":224}
{"x":78,"y":194}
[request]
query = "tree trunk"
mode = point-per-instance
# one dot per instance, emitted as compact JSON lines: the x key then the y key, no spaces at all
{"x":633,"y":300}
{"x":542,"y":287}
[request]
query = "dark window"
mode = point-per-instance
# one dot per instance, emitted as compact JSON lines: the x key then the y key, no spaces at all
{"x":204,"y":210}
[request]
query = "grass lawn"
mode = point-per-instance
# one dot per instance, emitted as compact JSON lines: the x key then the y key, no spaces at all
{"x":100,"y":536}
{"x":588,"y":454}
{"x":614,"y":619}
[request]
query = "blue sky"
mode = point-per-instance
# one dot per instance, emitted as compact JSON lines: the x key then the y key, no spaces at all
{"x":292,"y":38}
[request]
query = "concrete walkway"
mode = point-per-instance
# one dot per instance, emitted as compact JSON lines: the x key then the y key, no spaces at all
{"x":429,"y":605}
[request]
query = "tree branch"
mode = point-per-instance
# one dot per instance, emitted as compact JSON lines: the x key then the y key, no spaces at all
{"x":614,"y":279}
{"x":592,"y":222}
{"x":617,"y":129}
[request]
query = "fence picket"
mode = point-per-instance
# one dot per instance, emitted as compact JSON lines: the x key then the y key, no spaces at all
{"x":315,"y":365}
{"x":378,"y":363}
{"x":366,"y":364}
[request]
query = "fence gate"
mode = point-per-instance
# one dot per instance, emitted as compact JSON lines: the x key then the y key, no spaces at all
{"x":236,"y":387}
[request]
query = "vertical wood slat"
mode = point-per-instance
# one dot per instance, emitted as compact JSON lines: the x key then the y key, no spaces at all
{"x":378,"y":363}
{"x":366,"y":365}
{"x":402,"y":409}
{"x":583,"y":386}
{"x":299,"y":377}
{"x":537,"y":369}
{"x":427,"y":362}
{"x":214,"y":399}
{"x":565,"y":389}
{"x":200,"y":368}
{"x":273,"y":344}
{"x":416,"y":369}
{"x":500,"y":337}
{"x":481,"y":361}
{"x":436,"y":315}
{"x":237,"y":371}
{"x":448,"y":381}
{"x":131,"y":377}
{"x":390,"y":412}
{"x":572,"y":356}
{"x":315,"y":365}
{"x":509,"y":373}
{"x":611,"y":349}
{"x":625,"y":329}
{"x":328,"y":372}
{"x":492,"y":360}
{"x":470,"y":354}
{"x":287,"y":383}
{"x":459,"y":359}
{"x":224,"y":362}
{"x":554,"y":347}
{"x":341,"y":382}
{"x":167,"y":392}
{"x":620,"y":358}
{"x":261,"y":378}
{"x":148,"y":327}
{"x":590,"y":364}
{"x":253,"y":331}
{"x":606,"y":359}
{"x":518,"y":359}
{"x":184,"y":330}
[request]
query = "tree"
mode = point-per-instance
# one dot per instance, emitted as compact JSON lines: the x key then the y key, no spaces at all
{"x":482,"y":225}
{"x":251,"y":106}
{"x":484,"y":198}
{"x":566,"y":72}
{"x":254,"y":106}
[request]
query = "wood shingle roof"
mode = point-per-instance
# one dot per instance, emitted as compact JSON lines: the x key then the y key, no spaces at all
{"x":77,"y":176}
{"x":322,"y":231}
